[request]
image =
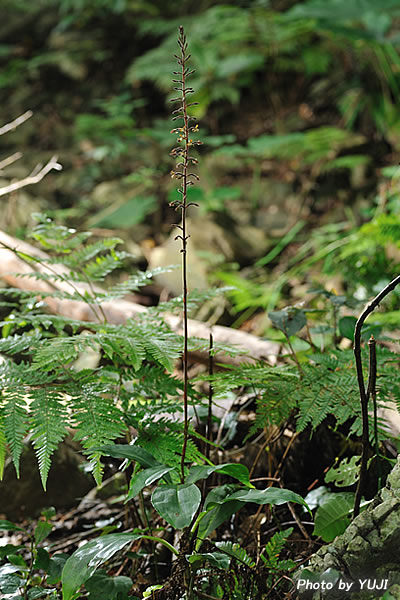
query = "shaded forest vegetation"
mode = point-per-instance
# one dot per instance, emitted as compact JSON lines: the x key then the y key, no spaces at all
{"x":218,"y":472}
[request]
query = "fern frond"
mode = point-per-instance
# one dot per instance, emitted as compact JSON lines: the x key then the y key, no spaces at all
{"x":273,"y":548}
{"x":48,"y":421}
{"x":98,"y":269}
{"x":15,"y":422}
{"x":98,"y":421}
{"x":165,"y":347}
{"x":58,"y":238}
{"x":236,"y":551}
{"x":60,"y":351}
{"x":134,"y":282}
{"x":3,"y":443}
{"x":16,"y":344}
{"x":163,"y":439}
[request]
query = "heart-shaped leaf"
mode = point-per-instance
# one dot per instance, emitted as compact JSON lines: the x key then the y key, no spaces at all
{"x":177,"y":504}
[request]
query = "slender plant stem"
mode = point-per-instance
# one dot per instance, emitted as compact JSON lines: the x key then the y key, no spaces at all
{"x":184,"y":248}
{"x":363,"y":394}
{"x":186,"y":179}
{"x":210,"y":397}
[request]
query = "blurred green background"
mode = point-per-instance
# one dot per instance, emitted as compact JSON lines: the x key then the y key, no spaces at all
{"x":298,"y":108}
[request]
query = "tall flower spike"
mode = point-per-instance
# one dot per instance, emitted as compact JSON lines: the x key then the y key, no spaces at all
{"x":181,"y":172}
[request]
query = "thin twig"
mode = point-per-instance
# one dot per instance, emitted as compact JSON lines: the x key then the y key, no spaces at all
{"x":363,"y":395}
{"x":16,"y":122}
{"x":37,"y":175}
{"x":10,"y":160}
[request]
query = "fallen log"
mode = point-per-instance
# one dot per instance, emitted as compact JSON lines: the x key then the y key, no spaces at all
{"x":13,"y":266}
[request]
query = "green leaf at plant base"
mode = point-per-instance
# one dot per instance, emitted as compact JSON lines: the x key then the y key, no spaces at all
{"x":83,"y":562}
{"x":332,"y":517}
{"x":216,"y":512}
{"x":102,"y":587}
{"x":215,"y":559}
{"x":55,"y":567}
{"x":235,"y":470}
{"x":9,"y":580}
{"x":289,"y":320}
{"x":345,"y":473}
{"x":144,"y":478}
{"x":42,"y":560}
{"x":271,"y":495}
{"x":217,"y":515}
{"x":177,"y":504}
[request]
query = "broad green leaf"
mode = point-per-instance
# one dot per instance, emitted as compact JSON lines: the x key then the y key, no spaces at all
{"x":102,"y":587}
{"x":235,"y":470}
{"x":83,"y":562}
{"x":144,"y":478}
{"x":268,"y":496}
{"x":55,"y":567}
{"x":346,"y":473}
{"x":289,"y":320}
{"x":216,"y":516}
{"x":216,"y":511}
{"x":332,"y":517}
{"x":9,"y":580}
{"x":177,"y":504}
{"x":131,"y":452}
{"x":215,"y":559}
{"x":42,"y":560}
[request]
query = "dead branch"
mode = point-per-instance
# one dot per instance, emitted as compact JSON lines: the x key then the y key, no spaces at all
{"x":121,"y":310}
{"x":37,"y":175}
{"x":16,"y":122}
{"x":10,"y":159}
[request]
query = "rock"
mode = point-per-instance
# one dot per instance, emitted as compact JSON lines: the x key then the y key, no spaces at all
{"x":25,"y":497}
{"x":367,"y":550}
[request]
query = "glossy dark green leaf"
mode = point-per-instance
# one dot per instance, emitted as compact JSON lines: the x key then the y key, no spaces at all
{"x":55,"y":567}
{"x":102,"y":587}
{"x":83,"y":562}
{"x":216,"y":516}
{"x":42,"y":560}
{"x":9,"y":580}
{"x":271,"y":495}
{"x":235,"y":470}
{"x":144,"y":478}
{"x":177,"y":504}
{"x":215,"y":559}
